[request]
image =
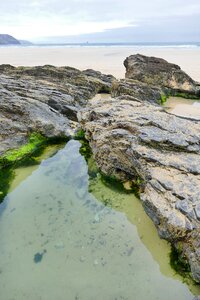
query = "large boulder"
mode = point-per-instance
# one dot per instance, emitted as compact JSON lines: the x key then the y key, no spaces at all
{"x":158,"y":72}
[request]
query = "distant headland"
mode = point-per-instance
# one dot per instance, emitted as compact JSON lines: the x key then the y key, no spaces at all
{"x":6,"y":39}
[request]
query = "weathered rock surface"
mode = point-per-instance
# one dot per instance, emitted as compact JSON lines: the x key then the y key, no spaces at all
{"x":43,"y":99}
{"x":133,"y":139}
{"x":139,"y":90}
{"x":158,"y":72}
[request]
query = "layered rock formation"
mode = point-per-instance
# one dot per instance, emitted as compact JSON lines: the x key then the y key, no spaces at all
{"x":140,"y":142}
{"x":135,"y":140}
{"x":43,"y":99}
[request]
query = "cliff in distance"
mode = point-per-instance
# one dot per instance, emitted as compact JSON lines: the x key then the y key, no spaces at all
{"x":6,"y":39}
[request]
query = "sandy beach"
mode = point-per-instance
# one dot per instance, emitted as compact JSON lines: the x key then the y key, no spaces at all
{"x":108,"y":60}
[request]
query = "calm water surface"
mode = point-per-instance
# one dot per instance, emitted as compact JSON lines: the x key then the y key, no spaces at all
{"x":182,"y":107}
{"x":66,"y":237}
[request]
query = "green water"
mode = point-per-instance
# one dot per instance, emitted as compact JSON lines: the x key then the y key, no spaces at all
{"x":59,"y":241}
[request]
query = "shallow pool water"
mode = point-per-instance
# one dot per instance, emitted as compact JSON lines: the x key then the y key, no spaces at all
{"x":182,"y":107}
{"x":64,"y":236}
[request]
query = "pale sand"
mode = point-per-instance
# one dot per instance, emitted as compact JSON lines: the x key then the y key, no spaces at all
{"x":108,"y":60}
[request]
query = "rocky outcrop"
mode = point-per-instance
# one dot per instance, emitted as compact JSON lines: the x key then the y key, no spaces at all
{"x":138,"y":90}
{"x":44,"y":100}
{"x":137,"y":141}
{"x":6,"y":39}
{"x":131,"y":136}
{"x":158,"y":72}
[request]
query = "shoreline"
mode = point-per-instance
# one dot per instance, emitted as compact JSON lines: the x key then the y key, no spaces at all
{"x":106,"y":59}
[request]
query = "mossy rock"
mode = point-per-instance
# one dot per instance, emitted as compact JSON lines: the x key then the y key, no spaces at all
{"x":178,"y":262}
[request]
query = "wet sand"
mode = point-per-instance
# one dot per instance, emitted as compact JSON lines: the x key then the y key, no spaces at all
{"x":108,"y":60}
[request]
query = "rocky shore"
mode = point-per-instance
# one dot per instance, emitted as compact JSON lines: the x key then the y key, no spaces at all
{"x":132,"y":137}
{"x":44,"y":100}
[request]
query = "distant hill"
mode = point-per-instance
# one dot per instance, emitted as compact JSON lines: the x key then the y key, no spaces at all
{"x":25,"y":43}
{"x":6,"y":39}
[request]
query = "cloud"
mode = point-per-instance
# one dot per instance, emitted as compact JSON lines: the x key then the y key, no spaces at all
{"x":34,"y":18}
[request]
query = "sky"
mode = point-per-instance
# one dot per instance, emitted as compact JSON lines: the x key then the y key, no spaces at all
{"x":101,"y":20}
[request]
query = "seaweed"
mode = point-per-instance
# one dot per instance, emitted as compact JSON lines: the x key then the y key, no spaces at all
{"x":163,"y":99}
{"x":24,"y":156}
{"x":186,"y":96}
{"x":178,"y":262}
{"x":85,"y":149}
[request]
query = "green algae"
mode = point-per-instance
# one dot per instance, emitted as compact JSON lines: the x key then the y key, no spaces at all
{"x":178,"y":262}
{"x":186,"y":96}
{"x":24,"y":153}
{"x":163,"y":99}
{"x":27,"y":155}
{"x":85,"y":149}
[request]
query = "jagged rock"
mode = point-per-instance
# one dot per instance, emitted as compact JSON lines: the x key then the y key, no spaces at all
{"x":43,"y":99}
{"x":138,"y":90}
{"x":80,"y":85}
{"x":133,"y":139}
{"x":158,"y":72}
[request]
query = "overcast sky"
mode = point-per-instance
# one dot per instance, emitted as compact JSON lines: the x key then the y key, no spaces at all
{"x":109,"y":20}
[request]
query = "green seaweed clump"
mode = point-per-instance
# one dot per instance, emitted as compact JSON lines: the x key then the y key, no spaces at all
{"x":85,"y":149}
{"x":23,"y":155}
{"x":163,"y":99}
{"x":80,"y":135}
{"x":178,"y":262}
{"x":18,"y":157}
{"x":187,"y":96}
